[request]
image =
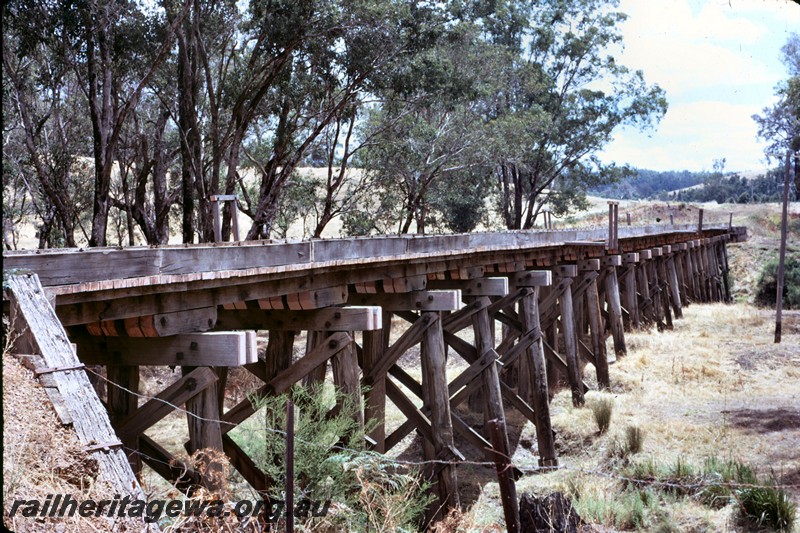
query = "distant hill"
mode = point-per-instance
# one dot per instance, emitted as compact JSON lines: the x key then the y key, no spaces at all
{"x":696,"y":187}
{"x":647,"y":184}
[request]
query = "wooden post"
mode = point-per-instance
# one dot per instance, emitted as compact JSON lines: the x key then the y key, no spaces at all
{"x":434,"y":379}
{"x":646,"y":303}
{"x":722,"y":250}
{"x":202,"y":414}
{"x":492,"y":395}
{"x":678,"y":264}
{"x":121,"y":403}
{"x":280,"y":348}
{"x":314,"y":339}
{"x":375,"y":398}
{"x":570,"y":338}
{"x":232,"y":201}
{"x":217,"y":220}
{"x":655,"y":290}
{"x":630,"y":289}
{"x":502,"y":461}
{"x":714,"y":269}
{"x":597,"y":335}
{"x":703,"y":274}
{"x":700,"y":222}
{"x":782,"y":256}
{"x":666,"y":296}
{"x":614,"y":305}
{"x":692,"y":282}
{"x":234,"y":206}
{"x":674,"y":285}
{"x":345,"y":376}
{"x":551,"y":336}
{"x":524,"y":371}
{"x":628,"y":215}
{"x":529,"y":317}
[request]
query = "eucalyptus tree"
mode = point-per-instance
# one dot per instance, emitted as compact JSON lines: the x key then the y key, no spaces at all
{"x":559,"y":96}
{"x":347,"y":50}
{"x":780,"y":123}
{"x":46,"y":134}
{"x":426,"y":131}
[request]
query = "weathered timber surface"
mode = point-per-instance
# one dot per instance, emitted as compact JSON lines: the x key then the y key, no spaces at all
{"x":104,"y":300}
{"x":35,"y":321}
{"x":77,"y":266}
{"x":165,"y":402}
{"x":353,"y":318}
{"x":191,"y":349}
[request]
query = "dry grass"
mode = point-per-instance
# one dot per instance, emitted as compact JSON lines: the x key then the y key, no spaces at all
{"x":41,"y":457}
{"x":714,"y":386}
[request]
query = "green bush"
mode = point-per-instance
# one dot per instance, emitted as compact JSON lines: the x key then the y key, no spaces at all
{"x":370,"y":492}
{"x":767,"y":506}
{"x":768,"y":285}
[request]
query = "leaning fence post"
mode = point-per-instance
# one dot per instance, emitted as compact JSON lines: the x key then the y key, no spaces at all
{"x":289,"y":466}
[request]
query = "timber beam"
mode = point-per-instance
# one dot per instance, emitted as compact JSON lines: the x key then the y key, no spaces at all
{"x":159,"y":325}
{"x":352,"y":318}
{"x":532,"y":278}
{"x":165,"y":402}
{"x":391,"y":285}
{"x":191,"y":349}
{"x":496,"y":286}
{"x":411,"y":301}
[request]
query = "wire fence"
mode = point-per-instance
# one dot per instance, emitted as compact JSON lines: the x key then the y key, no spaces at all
{"x":696,"y":484}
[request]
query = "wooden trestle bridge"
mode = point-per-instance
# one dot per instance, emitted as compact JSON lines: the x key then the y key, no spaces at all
{"x":558,"y":294}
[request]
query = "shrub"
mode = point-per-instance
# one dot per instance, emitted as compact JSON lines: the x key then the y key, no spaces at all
{"x":602,"y":409}
{"x":368,"y":490}
{"x":768,"y":284}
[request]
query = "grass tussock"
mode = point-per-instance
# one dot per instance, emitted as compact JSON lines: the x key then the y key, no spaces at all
{"x":767,"y":506}
{"x":634,"y":440}
{"x":602,"y":410}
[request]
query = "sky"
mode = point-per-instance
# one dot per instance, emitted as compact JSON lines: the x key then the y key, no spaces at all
{"x":719,"y":62}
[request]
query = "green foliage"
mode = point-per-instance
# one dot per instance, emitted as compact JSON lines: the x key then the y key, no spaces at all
{"x":630,"y":509}
{"x":327,"y":460}
{"x":779,"y":125}
{"x":718,"y":479}
{"x":767,"y":506}
{"x":767,"y":286}
{"x":551,"y":122}
{"x":732,"y":188}
{"x":461,"y":200}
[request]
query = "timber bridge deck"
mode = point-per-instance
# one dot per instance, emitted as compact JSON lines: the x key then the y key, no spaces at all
{"x":558,"y":294}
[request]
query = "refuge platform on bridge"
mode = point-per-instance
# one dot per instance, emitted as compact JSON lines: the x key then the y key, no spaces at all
{"x":559,"y":295}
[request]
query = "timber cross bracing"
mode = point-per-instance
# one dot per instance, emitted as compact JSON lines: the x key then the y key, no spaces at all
{"x":559,"y":296}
